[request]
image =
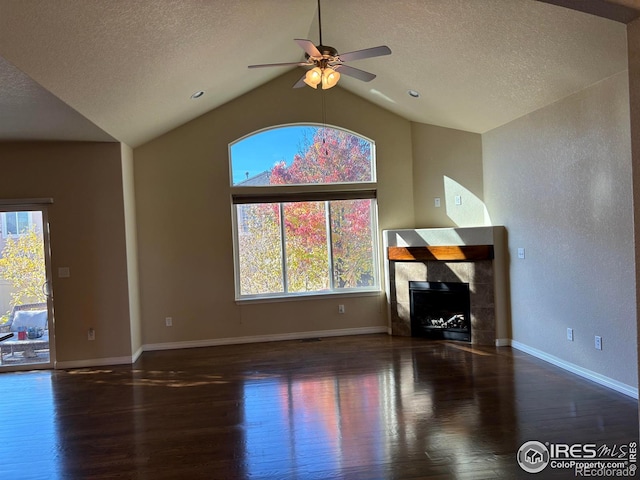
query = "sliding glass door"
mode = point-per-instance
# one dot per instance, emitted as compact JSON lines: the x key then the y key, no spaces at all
{"x":26,"y":319}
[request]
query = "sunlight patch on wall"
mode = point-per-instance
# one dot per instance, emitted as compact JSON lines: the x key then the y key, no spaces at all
{"x":463,"y":206}
{"x":381,"y":95}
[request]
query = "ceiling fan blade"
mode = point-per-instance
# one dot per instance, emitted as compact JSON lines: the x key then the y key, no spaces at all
{"x":366,"y":53}
{"x":355,"y":73}
{"x":300,"y":83}
{"x":288,"y":64}
{"x":308,"y":47}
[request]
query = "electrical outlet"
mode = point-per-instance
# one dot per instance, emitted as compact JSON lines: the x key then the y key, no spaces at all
{"x":570,"y":334}
{"x":521,"y":252}
{"x":458,"y":200}
{"x":91,"y":334}
{"x":340,"y":308}
{"x":598,"y":343}
{"x":168,"y":321}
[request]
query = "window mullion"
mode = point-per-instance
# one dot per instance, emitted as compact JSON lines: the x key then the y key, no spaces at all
{"x":327,"y":207}
{"x":283,"y":250}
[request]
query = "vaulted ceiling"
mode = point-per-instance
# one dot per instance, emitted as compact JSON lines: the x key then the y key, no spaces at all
{"x":122,"y":70}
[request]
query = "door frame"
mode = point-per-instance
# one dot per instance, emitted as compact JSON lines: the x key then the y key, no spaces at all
{"x":38,"y":205}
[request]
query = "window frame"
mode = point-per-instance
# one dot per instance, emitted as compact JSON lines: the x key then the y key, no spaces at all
{"x":372,"y":146}
{"x":3,"y":221}
{"x":300,"y":193}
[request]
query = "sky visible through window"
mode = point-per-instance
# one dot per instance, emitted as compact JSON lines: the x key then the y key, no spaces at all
{"x":259,"y":153}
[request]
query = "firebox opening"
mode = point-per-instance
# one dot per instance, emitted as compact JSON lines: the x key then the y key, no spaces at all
{"x":440,"y":310}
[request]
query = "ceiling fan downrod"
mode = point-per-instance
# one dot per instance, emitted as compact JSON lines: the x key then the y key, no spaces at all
{"x":319,"y":24}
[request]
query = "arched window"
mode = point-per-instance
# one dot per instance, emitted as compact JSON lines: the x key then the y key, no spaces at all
{"x":304,"y":212}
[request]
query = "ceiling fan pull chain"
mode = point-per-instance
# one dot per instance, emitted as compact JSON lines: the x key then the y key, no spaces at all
{"x":324,"y":125}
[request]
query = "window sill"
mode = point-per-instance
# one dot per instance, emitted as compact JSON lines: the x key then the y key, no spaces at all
{"x":310,"y":296}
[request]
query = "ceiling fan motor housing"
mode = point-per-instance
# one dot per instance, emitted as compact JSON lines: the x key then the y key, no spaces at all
{"x":326,"y":51}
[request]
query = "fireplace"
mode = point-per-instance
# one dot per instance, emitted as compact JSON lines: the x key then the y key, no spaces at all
{"x":475,"y":256}
{"x":440,"y":310}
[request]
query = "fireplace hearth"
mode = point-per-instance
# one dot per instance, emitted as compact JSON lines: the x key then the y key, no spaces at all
{"x":440,"y":310}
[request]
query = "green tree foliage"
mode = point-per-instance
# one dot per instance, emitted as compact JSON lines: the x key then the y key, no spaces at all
{"x":22,"y":264}
{"x":327,"y":156}
{"x":259,"y":243}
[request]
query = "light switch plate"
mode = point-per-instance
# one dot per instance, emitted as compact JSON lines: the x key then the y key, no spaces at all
{"x":436,"y":202}
{"x":520,"y":252}
{"x":458,"y":200}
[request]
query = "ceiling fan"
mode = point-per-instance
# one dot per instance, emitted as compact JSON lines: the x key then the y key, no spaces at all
{"x":327,"y":63}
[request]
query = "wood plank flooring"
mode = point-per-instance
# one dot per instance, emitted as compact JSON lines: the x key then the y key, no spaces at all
{"x":363,"y":407}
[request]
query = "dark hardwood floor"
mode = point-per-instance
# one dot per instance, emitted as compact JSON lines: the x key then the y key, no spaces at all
{"x":364,"y":407}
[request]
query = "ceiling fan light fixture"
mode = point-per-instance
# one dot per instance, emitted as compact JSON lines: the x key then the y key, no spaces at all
{"x":325,"y":60}
{"x":330,"y":78}
{"x":313,"y":77}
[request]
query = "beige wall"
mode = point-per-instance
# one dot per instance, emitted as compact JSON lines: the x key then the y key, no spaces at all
{"x":633,"y":48}
{"x":447,"y":163}
{"x":559,"y":179}
{"x":87,"y":235}
{"x":184,"y":216}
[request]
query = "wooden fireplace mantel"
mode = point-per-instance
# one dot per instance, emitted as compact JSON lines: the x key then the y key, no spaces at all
{"x":452,"y":253}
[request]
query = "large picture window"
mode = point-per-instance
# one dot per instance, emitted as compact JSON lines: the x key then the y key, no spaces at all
{"x":304,"y":212}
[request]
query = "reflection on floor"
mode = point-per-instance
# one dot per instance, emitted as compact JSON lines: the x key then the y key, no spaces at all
{"x":366,"y":407}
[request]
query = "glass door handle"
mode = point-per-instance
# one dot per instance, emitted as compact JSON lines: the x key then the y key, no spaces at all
{"x":46,"y":289}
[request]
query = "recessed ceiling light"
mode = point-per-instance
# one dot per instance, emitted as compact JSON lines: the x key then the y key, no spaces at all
{"x":198,"y":94}
{"x":413,"y":93}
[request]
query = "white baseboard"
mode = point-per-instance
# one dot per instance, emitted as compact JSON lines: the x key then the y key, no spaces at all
{"x":136,"y":355}
{"x":94,"y":362}
{"x":583,"y":372}
{"x":277,"y":337}
{"x":102,"y":362}
{"x":500,"y":342}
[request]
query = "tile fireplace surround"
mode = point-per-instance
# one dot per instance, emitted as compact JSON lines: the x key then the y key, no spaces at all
{"x":474,"y":255}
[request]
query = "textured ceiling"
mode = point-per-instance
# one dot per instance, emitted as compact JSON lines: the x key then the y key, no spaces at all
{"x":125,"y":70}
